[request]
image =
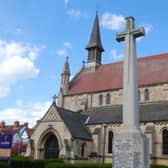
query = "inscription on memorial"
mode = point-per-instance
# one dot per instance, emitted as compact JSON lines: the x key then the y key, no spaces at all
{"x":123,"y":155}
{"x":126,"y":154}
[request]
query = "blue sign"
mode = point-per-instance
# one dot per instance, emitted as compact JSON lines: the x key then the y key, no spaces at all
{"x":6,"y":140}
{"x":5,"y":146}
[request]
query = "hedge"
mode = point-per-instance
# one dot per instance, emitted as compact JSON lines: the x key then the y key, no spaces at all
{"x":78,"y":165}
{"x":4,"y":165}
{"x":158,"y":166}
{"x":57,"y":163}
{"x":90,"y":165}
{"x":31,"y":163}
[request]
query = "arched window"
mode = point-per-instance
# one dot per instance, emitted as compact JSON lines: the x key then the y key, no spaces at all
{"x":108,"y":98}
{"x":165,"y":141}
{"x":100,"y":99}
{"x":146,"y":94}
{"x":110,"y":141}
{"x":83,"y":150}
{"x":139,"y":95}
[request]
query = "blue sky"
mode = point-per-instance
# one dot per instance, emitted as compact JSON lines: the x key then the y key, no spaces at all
{"x":36,"y":36}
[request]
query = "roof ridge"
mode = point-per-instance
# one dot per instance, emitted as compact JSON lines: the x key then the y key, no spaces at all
{"x":139,"y":58}
{"x":76,"y":119}
{"x":57,"y":107}
{"x":152,"y":70}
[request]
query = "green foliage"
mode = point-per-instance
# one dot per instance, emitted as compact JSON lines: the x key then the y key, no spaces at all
{"x":78,"y":165}
{"x":4,"y":165}
{"x":54,"y":161}
{"x":90,"y":165}
{"x":21,"y":162}
{"x":158,"y":166}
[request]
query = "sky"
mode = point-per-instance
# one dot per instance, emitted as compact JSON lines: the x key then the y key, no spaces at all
{"x":37,"y":35}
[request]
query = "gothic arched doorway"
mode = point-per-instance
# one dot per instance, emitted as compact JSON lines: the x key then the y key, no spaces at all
{"x":51,"y":147}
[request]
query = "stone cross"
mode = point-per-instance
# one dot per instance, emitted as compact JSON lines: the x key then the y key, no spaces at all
{"x":130,"y":145}
{"x":130,"y":82}
{"x":55,"y":97}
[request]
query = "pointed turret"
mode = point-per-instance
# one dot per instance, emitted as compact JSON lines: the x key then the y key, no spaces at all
{"x":94,"y":46}
{"x":65,"y":77}
{"x":95,"y":38}
{"x":66,"y":69}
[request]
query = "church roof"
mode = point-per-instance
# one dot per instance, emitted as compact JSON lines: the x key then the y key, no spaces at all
{"x":151,"y":70}
{"x":75,"y":123}
{"x":150,"y":112}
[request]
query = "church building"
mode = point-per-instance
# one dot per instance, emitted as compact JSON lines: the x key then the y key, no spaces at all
{"x":81,"y":124}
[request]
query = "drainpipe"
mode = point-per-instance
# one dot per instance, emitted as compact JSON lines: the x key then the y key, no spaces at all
{"x":104,"y":142}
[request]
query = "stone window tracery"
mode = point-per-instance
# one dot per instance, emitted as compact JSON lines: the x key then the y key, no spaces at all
{"x":100,"y":99}
{"x":83,"y":148}
{"x":139,"y":95}
{"x":108,"y":98}
{"x":165,"y":141}
{"x":146,"y":94}
{"x":110,"y":141}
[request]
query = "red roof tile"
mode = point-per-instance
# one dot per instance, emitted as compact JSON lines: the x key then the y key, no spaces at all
{"x":11,"y":128}
{"x":151,"y":70}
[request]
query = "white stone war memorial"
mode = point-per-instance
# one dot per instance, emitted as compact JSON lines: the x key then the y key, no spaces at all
{"x":130,"y":145}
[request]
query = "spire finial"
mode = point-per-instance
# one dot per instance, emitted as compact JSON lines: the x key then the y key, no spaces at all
{"x":66,"y":69}
{"x":54,"y":97}
{"x":97,"y":9}
{"x":83,"y":63}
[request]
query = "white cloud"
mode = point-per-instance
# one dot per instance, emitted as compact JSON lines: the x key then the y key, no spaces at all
{"x":71,"y":77}
{"x":68,"y":45}
{"x":148,"y":28}
{"x":65,"y":50}
{"x":17,"y":62}
{"x":74,"y":13}
{"x":25,"y":112}
{"x":112,"y":21}
{"x":19,"y":102}
{"x":62,"y":52}
{"x":18,"y":30}
{"x":4,"y":91}
{"x":66,"y":2}
{"x":115,"y":55}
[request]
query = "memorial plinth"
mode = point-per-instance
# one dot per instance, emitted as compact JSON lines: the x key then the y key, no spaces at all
{"x":130,"y":150}
{"x":130,"y":145}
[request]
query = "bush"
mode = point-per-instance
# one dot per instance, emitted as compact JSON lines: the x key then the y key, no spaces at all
{"x":21,"y":162}
{"x":95,"y":165}
{"x":59,"y":165}
{"x":4,"y":165}
{"x":78,"y":165}
{"x":158,"y":166}
{"x":90,"y":165}
{"x":53,"y":161}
